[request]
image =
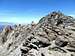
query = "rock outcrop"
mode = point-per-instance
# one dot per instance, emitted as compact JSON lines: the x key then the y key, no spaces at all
{"x":53,"y":35}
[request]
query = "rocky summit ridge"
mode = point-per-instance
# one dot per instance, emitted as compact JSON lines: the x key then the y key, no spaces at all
{"x":53,"y":35}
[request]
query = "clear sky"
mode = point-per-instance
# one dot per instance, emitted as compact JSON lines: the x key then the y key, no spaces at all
{"x":25,"y":11}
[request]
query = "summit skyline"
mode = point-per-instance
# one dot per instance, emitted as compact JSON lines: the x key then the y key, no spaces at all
{"x":26,"y":11}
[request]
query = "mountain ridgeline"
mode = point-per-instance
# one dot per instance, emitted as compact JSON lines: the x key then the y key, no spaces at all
{"x":53,"y":35}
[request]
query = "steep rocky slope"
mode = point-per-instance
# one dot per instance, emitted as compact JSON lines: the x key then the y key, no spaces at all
{"x":53,"y":35}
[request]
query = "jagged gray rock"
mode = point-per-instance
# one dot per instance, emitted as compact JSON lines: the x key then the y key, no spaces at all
{"x":53,"y":35}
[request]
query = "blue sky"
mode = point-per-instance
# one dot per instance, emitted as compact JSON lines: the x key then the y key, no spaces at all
{"x":25,"y":11}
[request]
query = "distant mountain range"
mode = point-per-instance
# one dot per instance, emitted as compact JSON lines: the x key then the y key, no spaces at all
{"x":6,"y":23}
{"x":3,"y":24}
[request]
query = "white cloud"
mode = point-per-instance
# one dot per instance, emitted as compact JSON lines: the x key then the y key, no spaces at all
{"x":73,"y":16}
{"x":19,"y":19}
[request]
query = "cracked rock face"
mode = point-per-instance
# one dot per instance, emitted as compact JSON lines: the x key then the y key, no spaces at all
{"x":53,"y":35}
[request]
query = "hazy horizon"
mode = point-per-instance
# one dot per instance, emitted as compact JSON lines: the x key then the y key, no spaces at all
{"x":26,"y":11}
